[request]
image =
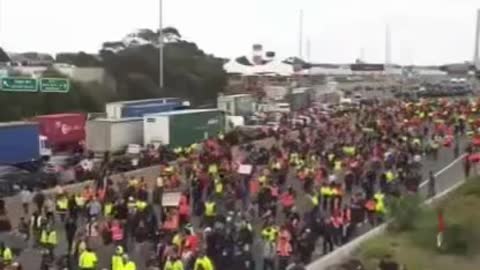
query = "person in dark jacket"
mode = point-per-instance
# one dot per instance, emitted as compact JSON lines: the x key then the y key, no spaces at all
{"x":70,"y":230}
{"x":244,"y":260}
{"x":328,"y":236}
{"x":39,"y":200}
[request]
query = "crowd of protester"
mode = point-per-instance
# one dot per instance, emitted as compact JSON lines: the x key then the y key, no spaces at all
{"x":272,"y":206}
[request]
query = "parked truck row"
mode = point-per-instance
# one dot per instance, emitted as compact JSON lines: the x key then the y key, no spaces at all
{"x":168,"y":121}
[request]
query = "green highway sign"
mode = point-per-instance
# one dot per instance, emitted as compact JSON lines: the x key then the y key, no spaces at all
{"x":10,"y":84}
{"x":54,"y":85}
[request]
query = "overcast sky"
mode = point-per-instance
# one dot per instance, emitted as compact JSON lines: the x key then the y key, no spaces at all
{"x":422,"y":31}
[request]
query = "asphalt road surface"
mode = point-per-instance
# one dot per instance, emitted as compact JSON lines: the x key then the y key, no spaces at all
{"x":450,"y":173}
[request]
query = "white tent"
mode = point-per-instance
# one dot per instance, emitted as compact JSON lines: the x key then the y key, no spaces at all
{"x":274,"y":67}
{"x":233,"y":67}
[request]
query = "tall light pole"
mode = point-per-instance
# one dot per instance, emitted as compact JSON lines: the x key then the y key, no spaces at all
{"x":160,"y":46}
{"x":300,"y":35}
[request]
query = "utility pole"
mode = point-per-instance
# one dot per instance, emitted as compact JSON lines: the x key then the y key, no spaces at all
{"x":308,"y":50}
{"x":476,"y":54}
{"x":300,"y":36}
{"x":160,"y":46}
{"x":388,"y":53}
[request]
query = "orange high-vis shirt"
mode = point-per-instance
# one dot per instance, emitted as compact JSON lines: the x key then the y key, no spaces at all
{"x":284,"y":249}
{"x":254,"y":186}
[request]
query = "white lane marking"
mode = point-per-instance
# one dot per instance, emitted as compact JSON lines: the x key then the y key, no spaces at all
{"x":445,"y":192}
{"x":444,"y":169}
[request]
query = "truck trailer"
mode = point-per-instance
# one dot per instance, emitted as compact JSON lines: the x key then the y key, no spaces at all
{"x":144,"y":109}
{"x":115,"y":110}
{"x":63,"y":131}
{"x":183,"y":128}
{"x":21,"y":143}
{"x":113,"y":135}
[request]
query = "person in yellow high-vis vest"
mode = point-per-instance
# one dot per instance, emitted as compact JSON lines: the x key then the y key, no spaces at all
{"x":62,"y":206}
{"x":128,"y":264}
{"x":108,"y":209}
{"x":6,"y":254}
{"x":117,"y":259}
{"x":178,"y":264}
{"x":48,"y":239}
{"x":203,"y":262}
{"x":210,"y":212}
{"x":88,"y":260}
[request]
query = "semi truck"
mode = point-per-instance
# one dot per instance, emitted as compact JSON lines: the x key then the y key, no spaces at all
{"x":21,"y":143}
{"x":183,"y":128}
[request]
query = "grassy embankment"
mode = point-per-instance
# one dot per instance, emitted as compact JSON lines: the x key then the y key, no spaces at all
{"x":415,"y":247}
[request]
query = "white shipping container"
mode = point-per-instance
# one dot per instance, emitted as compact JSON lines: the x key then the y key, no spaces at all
{"x":113,"y":134}
{"x":156,"y":130}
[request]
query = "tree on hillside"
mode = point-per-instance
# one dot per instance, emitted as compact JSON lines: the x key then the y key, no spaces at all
{"x":80,"y":59}
{"x":4,"y":56}
{"x":171,"y":34}
{"x":189,"y":72}
{"x":148,"y":35}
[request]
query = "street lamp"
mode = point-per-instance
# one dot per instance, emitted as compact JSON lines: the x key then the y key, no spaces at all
{"x":160,"y":45}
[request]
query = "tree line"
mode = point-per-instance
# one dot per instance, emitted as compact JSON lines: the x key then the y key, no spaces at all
{"x":189,"y":73}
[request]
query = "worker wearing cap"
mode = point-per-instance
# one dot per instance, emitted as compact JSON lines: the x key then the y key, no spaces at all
{"x":117,"y":259}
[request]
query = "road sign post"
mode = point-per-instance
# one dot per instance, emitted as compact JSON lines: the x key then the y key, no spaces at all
{"x":9,"y":84}
{"x":54,"y":85}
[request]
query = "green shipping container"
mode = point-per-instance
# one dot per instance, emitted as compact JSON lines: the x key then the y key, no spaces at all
{"x":182,"y":128}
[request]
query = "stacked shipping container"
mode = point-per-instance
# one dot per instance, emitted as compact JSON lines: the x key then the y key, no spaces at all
{"x":138,"y":108}
{"x":182,"y":128}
